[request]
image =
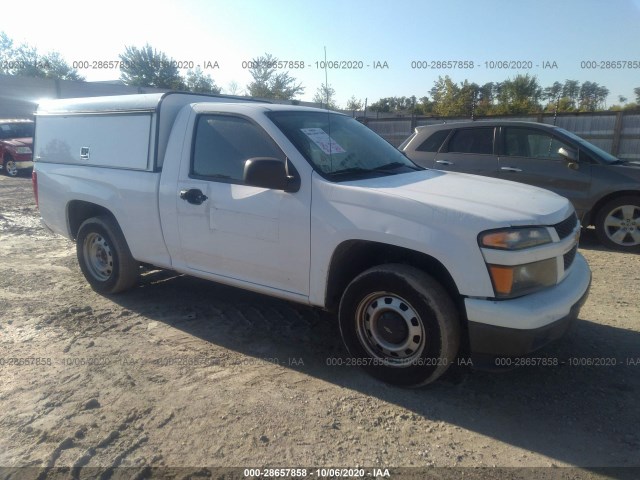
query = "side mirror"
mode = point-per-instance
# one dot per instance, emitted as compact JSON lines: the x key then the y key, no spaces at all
{"x":267,"y":172}
{"x":569,"y":154}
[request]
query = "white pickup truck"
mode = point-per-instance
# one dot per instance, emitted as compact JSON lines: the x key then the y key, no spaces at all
{"x":312,"y":207}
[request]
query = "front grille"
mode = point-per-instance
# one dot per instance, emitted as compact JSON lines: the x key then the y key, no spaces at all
{"x":566,"y":227}
{"x":569,"y":257}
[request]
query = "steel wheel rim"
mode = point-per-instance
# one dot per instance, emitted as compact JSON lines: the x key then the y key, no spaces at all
{"x":622,"y":225}
{"x":98,"y":256}
{"x":374,"y":315}
{"x":11,"y":169}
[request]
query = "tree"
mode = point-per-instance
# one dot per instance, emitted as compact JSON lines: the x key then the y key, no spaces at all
{"x":423,"y":107}
{"x":484,"y":98}
{"x":353,"y":104}
{"x":452,"y":100}
{"x":326,"y":95}
{"x":571,"y":91}
{"x":637,"y":92}
{"x":267,"y":83}
{"x":25,"y":60}
{"x":552,"y":93}
{"x":234,"y":88}
{"x":6,"y":54}
{"x":147,"y":67}
{"x":395,"y":105}
{"x":54,"y":66}
{"x":592,"y":96}
{"x":518,"y":96}
{"x":198,"y":82}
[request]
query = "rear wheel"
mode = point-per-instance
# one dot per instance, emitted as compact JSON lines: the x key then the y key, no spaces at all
{"x":618,"y":224}
{"x":9,"y":166}
{"x":104,"y":256}
{"x":400,"y":325}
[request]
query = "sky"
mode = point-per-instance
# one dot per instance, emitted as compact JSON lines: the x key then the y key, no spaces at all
{"x":554,"y":40}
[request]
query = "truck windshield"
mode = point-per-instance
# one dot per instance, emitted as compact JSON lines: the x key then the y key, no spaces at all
{"x":16,"y":130}
{"x":339,"y":147}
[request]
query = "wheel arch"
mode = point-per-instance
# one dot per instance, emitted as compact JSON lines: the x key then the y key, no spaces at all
{"x":79,"y":210}
{"x":591,"y":215}
{"x":353,"y":257}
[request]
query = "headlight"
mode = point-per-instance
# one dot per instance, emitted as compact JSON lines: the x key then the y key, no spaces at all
{"x":23,"y":150}
{"x":515,"y":238}
{"x":518,"y":280}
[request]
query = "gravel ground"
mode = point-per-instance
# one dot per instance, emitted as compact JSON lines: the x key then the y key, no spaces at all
{"x":182,"y":372}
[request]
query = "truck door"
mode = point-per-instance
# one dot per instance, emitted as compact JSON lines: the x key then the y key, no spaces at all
{"x":238,"y":231}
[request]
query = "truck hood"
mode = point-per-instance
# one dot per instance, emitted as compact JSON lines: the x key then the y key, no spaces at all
{"x":499,"y":202}
{"x":19,"y":142}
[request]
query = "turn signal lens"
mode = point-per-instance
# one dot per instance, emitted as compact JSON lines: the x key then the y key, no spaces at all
{"x":502,"y":279}
{"x":518,"y":280}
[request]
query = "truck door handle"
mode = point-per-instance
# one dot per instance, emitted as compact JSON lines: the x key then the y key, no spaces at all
{"x":444,"y":162}
{"x":510,"y":169}
{"x":194,"y":196}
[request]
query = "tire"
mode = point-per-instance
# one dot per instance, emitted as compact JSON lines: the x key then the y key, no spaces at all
{"x":9,"y":167}
{"x":400,"y":325}
{"x":104,"y":256}
{"x":618,"y":224}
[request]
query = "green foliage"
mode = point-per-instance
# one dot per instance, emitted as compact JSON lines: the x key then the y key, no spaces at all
{"x":633,"y":106}
{"x":25,"y":60}
{"x":451,"y":99}
{"x":394,"y":105}
{"x":6,"y":53}
{"x":233,"y":88}
{"x":637,"y":93}
{"x":326,"y":95}
{"x":592,"y":96}
{"x":520,"y":95}
{"x":147,"y":67}
{"x":198,"y":82}
{"x":424,"y":106}
{"x":354,"y":104}
{"x":267,"y":83}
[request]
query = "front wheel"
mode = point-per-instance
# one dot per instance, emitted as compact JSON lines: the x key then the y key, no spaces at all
{"x":618,"y":224}
{"x":400,"y":325}
{"x":104,"y":256}
{"x":9,"y":167}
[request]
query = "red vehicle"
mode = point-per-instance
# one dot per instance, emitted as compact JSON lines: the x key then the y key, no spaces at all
{"x":16,"y":139}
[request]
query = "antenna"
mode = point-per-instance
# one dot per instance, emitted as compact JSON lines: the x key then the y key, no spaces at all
{"x":326,"y":77}
{"x":473,"y":106}
{"x":326,"y":89}
{"x":555,"y":112}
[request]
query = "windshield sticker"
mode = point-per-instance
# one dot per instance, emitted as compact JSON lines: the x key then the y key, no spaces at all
{"x":327,"y":144}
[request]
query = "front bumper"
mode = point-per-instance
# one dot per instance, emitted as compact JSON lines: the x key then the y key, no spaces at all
{"x":24,"y":164}
{"x":523,"y":325}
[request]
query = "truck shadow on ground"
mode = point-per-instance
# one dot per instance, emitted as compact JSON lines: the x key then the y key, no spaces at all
{"x":582,"y":411}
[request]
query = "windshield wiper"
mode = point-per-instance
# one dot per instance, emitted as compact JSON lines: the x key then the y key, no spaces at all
{"x":351,"y":170}
{"x":387,"y":168}
{"x":394,"y":166}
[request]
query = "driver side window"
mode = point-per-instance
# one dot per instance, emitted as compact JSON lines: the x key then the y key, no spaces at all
{"x":222,"y":145}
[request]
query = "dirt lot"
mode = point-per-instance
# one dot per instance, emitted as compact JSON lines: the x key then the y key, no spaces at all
{"x":185,"y":373}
